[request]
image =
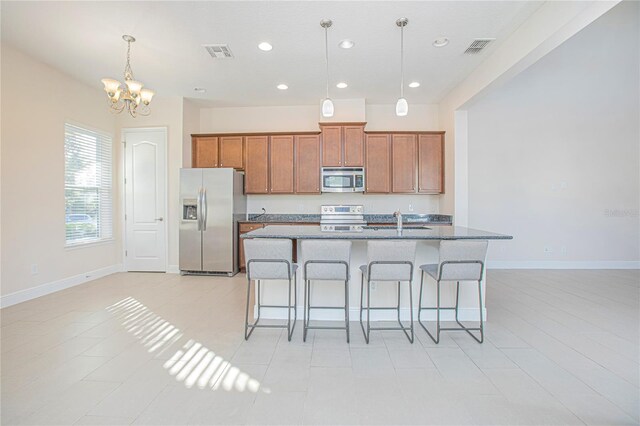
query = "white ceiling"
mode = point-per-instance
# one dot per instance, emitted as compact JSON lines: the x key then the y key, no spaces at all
{"x":84,"y":40}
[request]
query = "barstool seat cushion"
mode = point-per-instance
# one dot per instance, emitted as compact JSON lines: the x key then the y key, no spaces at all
{"x":326,"y":250}
{"x":460,"y":251}
{"x":390,"y":251}
{"x":269,"y":249}
{"x":431,"y":269}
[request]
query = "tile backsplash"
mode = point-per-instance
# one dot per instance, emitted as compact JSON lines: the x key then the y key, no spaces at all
{"x":382,"y":203}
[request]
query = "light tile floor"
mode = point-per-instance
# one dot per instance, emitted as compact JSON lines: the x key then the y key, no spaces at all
{"x":561,"y":348}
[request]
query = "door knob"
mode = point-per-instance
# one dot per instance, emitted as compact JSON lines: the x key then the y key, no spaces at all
{"x":160,"y":219}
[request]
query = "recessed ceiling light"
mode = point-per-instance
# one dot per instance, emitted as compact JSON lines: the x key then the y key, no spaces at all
{"x":441,"y":42}
{"x":346,"y":44}
{"x":265,"y":46}
{"x":283,"y":86}
{"x":414,"y":84}
{"x":200,"y":90}
{"x":341,"y":85}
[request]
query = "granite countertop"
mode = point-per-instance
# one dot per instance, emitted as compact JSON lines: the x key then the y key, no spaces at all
{"x":436,"y":233}
{"x":430,"y":219}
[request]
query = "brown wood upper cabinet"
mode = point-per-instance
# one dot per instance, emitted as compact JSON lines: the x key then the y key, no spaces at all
{"x":217,"y":151}
{"x":307,"y":167}
{"x":378,"y":163}
{"x":256,"y":174}
{"x":430,"y":163}
{"x":204,"y":151}
{"x":342,"y":144}
{"x":281,"y":164}
{"x":403,"y":163}
{"x":232,"y":152}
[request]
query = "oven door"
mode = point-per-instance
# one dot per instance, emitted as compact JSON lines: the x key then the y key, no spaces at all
{"x":338,"y":182}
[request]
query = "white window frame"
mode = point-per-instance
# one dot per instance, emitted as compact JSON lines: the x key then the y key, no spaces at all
{"x":104,"y":185}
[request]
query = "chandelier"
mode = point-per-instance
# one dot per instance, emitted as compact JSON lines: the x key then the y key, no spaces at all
{"x":131,"y":96}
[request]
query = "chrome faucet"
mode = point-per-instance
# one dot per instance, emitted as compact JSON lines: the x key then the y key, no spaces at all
{"x":398,"y":216}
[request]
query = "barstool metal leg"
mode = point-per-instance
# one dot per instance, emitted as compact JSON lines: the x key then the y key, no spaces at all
{"x":304,"y":313}
{"x":480,"y":309}
{"x":411,"y":308}
{"x":438,"y":311}
{"x":291,"y":327}
{"x":362,"y":308}
{"x":259,"y":298}
{"x":402,"y":327}
{"x":462,"y":326}
{"x":289,"y":313}
{"x":435,"y":339}
{"x":246,"y":317}
{"x":346,"y":307}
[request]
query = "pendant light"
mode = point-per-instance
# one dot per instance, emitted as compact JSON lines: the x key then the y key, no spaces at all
{"x":327,"y":103}
{"x":402,"y":107}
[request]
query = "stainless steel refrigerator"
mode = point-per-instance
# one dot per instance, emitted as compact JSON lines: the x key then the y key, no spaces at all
{"x":212,"y":203}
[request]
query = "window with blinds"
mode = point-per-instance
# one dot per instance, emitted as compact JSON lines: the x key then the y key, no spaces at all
{"x":88,"y":165}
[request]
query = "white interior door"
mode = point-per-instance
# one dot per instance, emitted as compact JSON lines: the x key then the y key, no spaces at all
{"x":145,"y":200}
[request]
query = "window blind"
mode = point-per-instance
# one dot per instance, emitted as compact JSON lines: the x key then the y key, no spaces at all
{"x":88,"y":162}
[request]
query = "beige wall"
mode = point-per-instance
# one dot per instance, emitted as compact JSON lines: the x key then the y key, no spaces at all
{"x":190,"y":125}
{"x":165,"y":112}
{"x":554,"y":153}
{"x":306,"y":118}
{"x":551,"y":25}
{"x":36,"y":102}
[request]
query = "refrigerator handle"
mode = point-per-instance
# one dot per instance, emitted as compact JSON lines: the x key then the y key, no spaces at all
{"x":205,"y":207}
{"x":199,"y":209}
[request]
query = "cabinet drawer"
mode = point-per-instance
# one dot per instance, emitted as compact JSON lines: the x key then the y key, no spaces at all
{"x":246,"y":227}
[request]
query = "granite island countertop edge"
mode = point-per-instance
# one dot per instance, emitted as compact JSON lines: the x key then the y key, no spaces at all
{"x":294,"y":232}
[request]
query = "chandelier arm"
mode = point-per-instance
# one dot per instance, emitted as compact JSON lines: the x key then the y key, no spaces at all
{"x":116,"y":107}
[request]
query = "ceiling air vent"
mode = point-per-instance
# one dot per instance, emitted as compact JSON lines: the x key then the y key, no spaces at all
{"x":219,"y":51}
{"x":478,"y":45}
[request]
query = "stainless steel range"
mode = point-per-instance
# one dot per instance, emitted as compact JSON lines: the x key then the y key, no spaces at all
{"x":342,"y":218}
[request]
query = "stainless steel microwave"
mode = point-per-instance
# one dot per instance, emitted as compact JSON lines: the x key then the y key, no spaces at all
{"x":342,"y":179}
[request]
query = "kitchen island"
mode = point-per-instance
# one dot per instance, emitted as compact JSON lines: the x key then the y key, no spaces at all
{"x":427,"y":237}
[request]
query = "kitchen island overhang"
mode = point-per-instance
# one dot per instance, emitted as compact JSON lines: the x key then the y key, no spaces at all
{"x":428,"y":238}
{"x":428,"y":233}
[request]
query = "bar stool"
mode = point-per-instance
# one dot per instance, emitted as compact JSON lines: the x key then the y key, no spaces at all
{"x":324,"y":261}
{"x":270,"y":259}
{"x":459,"y":261}
{"x":387,"y":261}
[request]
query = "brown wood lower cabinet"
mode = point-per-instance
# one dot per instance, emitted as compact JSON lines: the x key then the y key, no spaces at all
{"x":244,"y":227}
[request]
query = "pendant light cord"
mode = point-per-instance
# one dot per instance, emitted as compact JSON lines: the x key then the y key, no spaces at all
{"x":402,"y":61}
{"x":326,"y":56}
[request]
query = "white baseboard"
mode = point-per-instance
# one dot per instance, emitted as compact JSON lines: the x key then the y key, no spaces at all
{"x":468,"y":314}
{"x":173,"y":269}
{"x":560,"y":264}
{"x":53,"y":286}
